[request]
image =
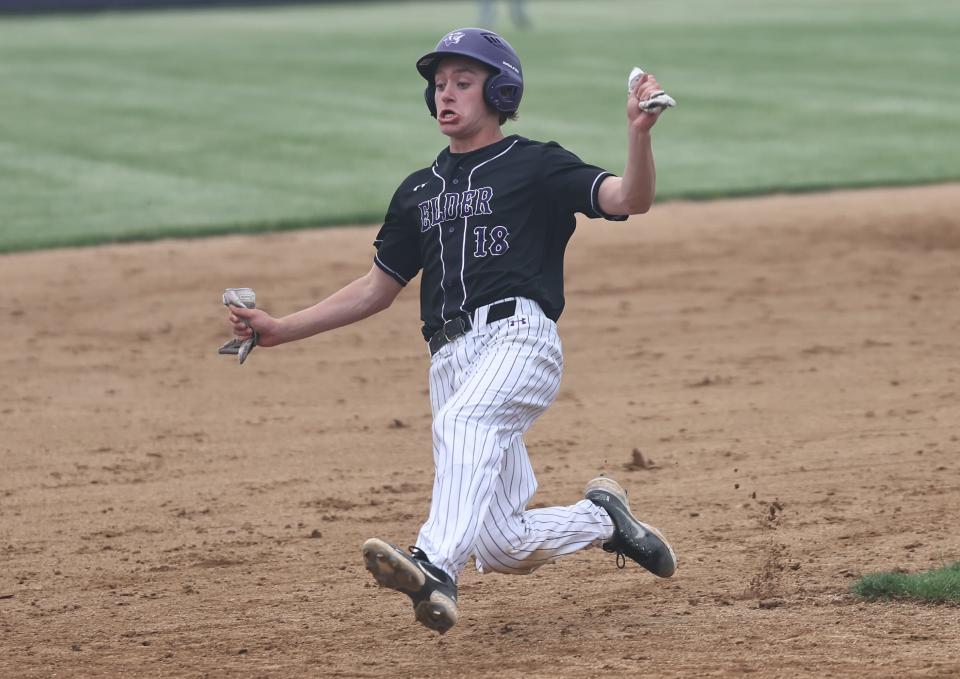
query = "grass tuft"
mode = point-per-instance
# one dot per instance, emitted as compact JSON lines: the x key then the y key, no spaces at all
{"x":941,"y":585}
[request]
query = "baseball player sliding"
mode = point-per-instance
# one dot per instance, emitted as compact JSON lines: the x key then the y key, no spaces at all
{"x":487,"y":224}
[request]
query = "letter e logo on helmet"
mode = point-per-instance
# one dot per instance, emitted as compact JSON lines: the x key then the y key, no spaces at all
{"x":452,"y":38}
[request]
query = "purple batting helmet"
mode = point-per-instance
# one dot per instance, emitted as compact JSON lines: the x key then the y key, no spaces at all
{"x":503,"y":88}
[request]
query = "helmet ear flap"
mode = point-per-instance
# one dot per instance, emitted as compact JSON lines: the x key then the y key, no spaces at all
{"x":503,"y":93}
{"x":429,"y":96}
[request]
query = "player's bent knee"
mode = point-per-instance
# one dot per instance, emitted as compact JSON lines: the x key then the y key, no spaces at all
{"x":460,"y":423}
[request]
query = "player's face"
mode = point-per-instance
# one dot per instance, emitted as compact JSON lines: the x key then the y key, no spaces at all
{"x":461,"y":111}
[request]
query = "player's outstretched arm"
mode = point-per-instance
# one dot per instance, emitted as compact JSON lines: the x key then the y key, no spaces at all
{"x":364,"y":297}
{"x":633,"y":193}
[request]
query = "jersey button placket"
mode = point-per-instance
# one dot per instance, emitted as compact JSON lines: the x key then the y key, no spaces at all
{"x":456,"y":181}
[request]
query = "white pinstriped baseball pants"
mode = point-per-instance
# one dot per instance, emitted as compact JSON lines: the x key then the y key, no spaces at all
{"x":486,"y":389}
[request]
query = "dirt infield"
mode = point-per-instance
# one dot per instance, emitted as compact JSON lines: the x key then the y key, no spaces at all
{"x":787,"y":368}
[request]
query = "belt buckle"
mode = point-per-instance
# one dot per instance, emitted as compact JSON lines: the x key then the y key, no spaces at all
{"x":461,"y":328}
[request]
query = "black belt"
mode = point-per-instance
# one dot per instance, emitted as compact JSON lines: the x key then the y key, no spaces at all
{"x":461,"y":325}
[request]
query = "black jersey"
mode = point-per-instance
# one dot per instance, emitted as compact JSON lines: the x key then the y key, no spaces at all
{"x":488,"y":224}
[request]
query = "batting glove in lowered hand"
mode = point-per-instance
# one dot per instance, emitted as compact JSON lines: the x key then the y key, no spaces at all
{"x":246,"y":298}
{"x":657,"y":101}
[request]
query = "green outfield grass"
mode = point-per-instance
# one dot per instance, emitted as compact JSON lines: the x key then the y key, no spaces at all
{"x":940,"y":585}
{"x":135,"y":125}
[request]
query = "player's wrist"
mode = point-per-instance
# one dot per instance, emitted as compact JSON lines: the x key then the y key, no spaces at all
{"x":276,"y":331}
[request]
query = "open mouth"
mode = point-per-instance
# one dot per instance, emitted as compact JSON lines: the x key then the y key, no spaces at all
{"x":447,"y":116}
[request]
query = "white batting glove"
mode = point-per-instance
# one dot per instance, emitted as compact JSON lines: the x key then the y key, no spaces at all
{"x":241,"y":297}
{"x":657,"y":101}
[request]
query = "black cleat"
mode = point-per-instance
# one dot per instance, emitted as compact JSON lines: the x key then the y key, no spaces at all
{"x":433,"y":592}
{"x":631,"y":538}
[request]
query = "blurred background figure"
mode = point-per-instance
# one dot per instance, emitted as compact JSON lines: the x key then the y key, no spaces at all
{"x":518,"y":12}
